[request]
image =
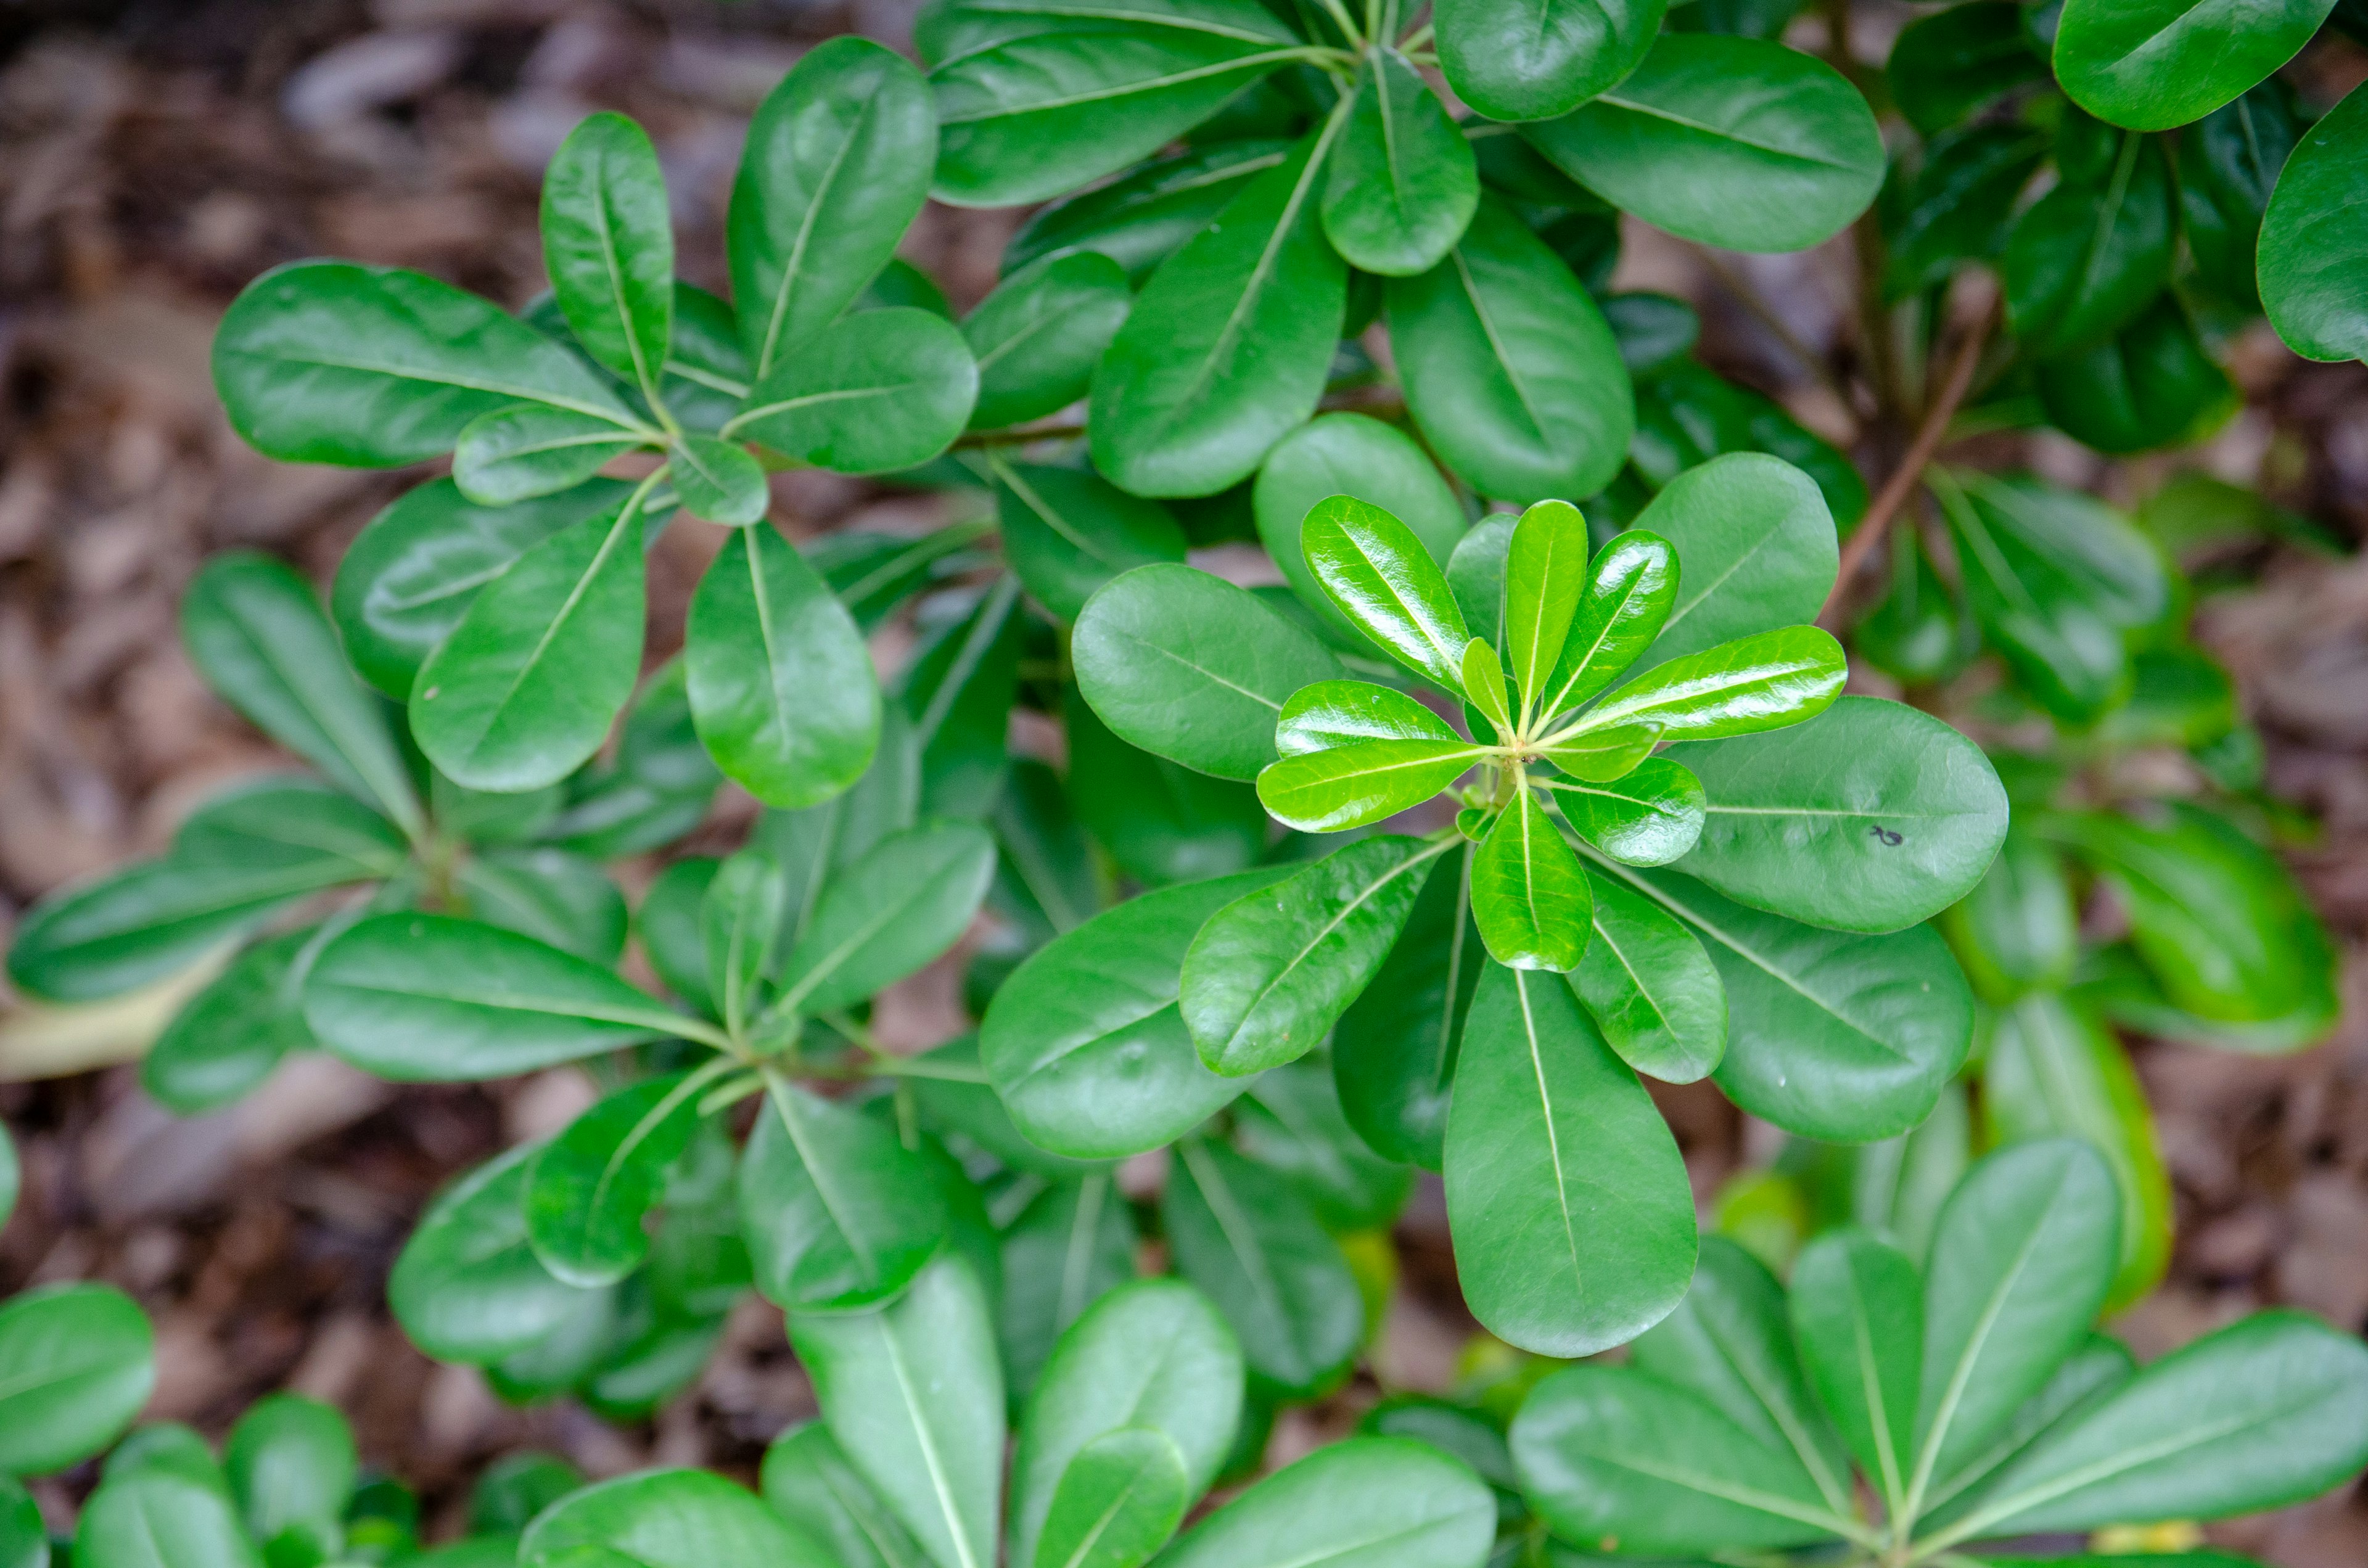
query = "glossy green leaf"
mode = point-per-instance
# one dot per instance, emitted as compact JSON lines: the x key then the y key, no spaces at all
{"x":1858,"y":1317}
{"x":1365,"y":1502}
{"x":1649,"y":816}
{"x":1600,"y":756}
{"x":1086,"y":1042}
{"x":608,"y":243}
{"x":466,"y":1285}
{"x":556,"y":897}
{"x":666,"y":1519}
{"x":2165,"y":62}
{"x":1240,"y":1233}
{"x":1378,"y":574}
{"x":1066,"y":533}
{"x":836,"y":165}
{"x":1188,"y":666}
{"x":718,"y":481}
{"x":1476,"y":573}
{"x":2314,"y":236}
{"x":869,"y":394}
{"x":335,"y":362}
{"x":1175,"y":411}
{"x":1267,"y":977}
{"x":1729,"y":141}
{"x":1039,"y":335}
{"x":1528,"y":896}
{"x":913,"y":1394}
{"x":780,"y":683}
{"x":1756,"y":543}
{"x":1034,"y":108}
{"x":1362,"y":783}
{"x":1766,"y":681}
{"x":526,"y":685}
{"x":292,"y":1466}
{"x":905,"y":901}
{"x":1508,"y":367}
{"x":1143,"y":217}
{"x":1394,"y":1052}
{"x":969,"y":1106}
{"x":161,"y":1517}
{"x":2051,"y":1071}
{"x":228,"y":1037}
{"x":1161,"y":822}
{"x":589,"y":1189}
{"x":839,"y":1213}
{"x":1830,"y":1035}
{"x":76,"y":1363}
{"x":2153,"y":384}
{"x":1353,"y":455}
{"x":1573,"y":1225}
{"x":1870,"y":817}
{"x":1613,"y":1453}
{"x":431,"y":998}
{"x":1118,"y":1503}
{"x":1334,"y":714}
{"x":1544,"y":58}
{"x":807,"y":1481}
{"x":743,"y":920}
{"x":1649,"y":986}
{"x":1070,"y":1248}
{"x":1546,"y":576}
{"x":1402,"y":183}
{"x":2087,"y":257}
{"x":1946,"y":65}
{"x":1484,"y":686}
{"x":1151,"y":1354}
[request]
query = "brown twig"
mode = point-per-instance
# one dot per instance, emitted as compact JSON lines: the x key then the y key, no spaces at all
{"x":1902,"y":483}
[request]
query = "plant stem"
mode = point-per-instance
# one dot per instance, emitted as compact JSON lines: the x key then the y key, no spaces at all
{"x":1416,"y":39}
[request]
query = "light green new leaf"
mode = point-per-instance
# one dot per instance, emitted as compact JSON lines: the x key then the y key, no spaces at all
{"x":905,"y":901}
{"x":1378,"y":574}
{"x":1039,"y":335}
{"x":76,"y":1363}
{"x":1403,"y":183}
{"x":1542,"y":58}
{"x":1858,"y":1317}
{"x":1484,"y":686}
{"x":1738,"y":142}
{"x":1178,"y":408}
{"x":1508,"y":367}
{"x":467,"y":1287}
{"x":1189,"y":668}
{"x":589,"y":1189}
{"x":1355,"y":455}
{"x":665,"y":1518}
{"x":2314,"y":245}
{"x":1870,"y":817}
{"x":913,"y":1394}
{"x":836,"y":165}
{"x":1360,"y":1504}
{"x":868,"y":393}
{"x":1626,"y":598}
{"x":1066,"y":533}
{"x":1763,"y":682}
{"x":1362,"y":783}
{"x":608,"y":241}
{"x":2163,"y":63}
{"x":1599,"y":757}
{"x":1648,"y":816}
{"x":1268,"y":975}
{"x":1241,"y":1234}
{"x":1118,"y":1503}
{"x":1529,"y":895}
{"x":1650,"y":987}
{"x":1756,"y":543}
{"x":1573,"y":1225}
{"x":1334,"y":714}
{"x":839,"y":1213}
{"x":1546,"y":577}
{"x":781,"y":686}
{"x":1395,"y":1050}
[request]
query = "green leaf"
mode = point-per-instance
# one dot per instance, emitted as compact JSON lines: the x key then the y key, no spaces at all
{"x":257,"y":634}
{"x":1858,"y":1319}
{"x":228,"y":1037}
{"x":1189,"y":668}
{"x":367,"y":366}
{"x":1830,"y":1035}
{"x":1162,"y":823}
{"x":1354,"y":455}
{"x":666,"y":1519}
{"x":1039,"y":98}
{"x":526,"y":685}
{"x":1729,"y":141}
{"x":839,"y":1213}
{"x":2164,"y":63}
{"x":1476,"y":571}
{"x":434,"y":999}
{"x":556,"y":897}
{"x":869,"y":394}
{"x":1611,"y":1453}
{"x":913,"y":1395}
{"x":589,"y":1189}
{"x":1573,"y":1225}
{"x":2153,"y":384}
{"x":908,"y":899}
{"x":1946,"y":65}
{"x":780,"y":683}
{"x":2017,"y":930}
{"x":807,"y":1481}
{"x":1086,"y":1042}
{"x":1618,"y":606}
{"x":11,"y":1176}
{"x":2228,"y":165}
{"x":1756,"y":543}
{"x":836,"y":165}
{"x":1650,"y":987}
{"x":23,"y":1535}
{"x":1961,"y":202}
{"x":2051,"y":1071}
{"x":1241,"y":1234}
{"x":1368,"y":1500}
{"x":1142,"y":218}
{"x":1335,"y":713}
{"x":1508,"y":367}
{"x":2313,"y":237}
{"x":959,"y":689}
{"x":1068,"y":532}
{"x":1484,"y":685}
{"x":1687,"y":414}
{"x":608,"y":241}
{"x":1403,"y":183}
{"x":1175,"y":409}
{"x":1599,"y":757}
{"x":1118,"y":1503}
{"x":1039,"y":335}
{"x":2087,"y":257}
{"x":1362,"y":783}
{"x":1152,"y":1354}
{"x":1730,"y":1342}
{"x":76,"y":1363}
{"x":1544,"y":58}
{"x":1528,"y":896}
{"x":1648,"y":816}
{"x":467,"y":1287}
{"x":1870,"y":817}
{"x":718,"y":481}
{"x":2021,"y":1260}
{"x":2268,"y":1411}
{"x":235,"y":860}
{"x":1269,"y":974}
{"x":1394,"y":1052}
{"x":743,"y":920}
{"x":1290,"y":1121}
{"x":1766,"y":681}
{"x":291,"y":1468}
{"x":161,"y":1518}
{"x":1546,"y":577}
{"x":1378,"y":574}
{"x":1070,"y":1248}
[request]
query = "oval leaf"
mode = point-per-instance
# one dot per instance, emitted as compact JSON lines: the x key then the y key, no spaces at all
{"x":870,"y":393}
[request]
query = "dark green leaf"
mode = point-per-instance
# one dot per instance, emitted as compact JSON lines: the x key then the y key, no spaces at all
{"x":2152,"y":385}
{"x":1143,"y":217}
{"x":1403,"y":184}
{"x":1161,"y":822}
{"x":1687,"y":414}
{"x":2314,"y":238}
{"x":1066,"y":533}
{"x":467,"y":1287}
{"x":1477,"y":574}
{"x":1039,"y":335}
{"x":1354,"y":455}
{"x":1395,"y":1050}
{"x":2165,"y":62}
{"x":839,"y":1213}
{"x":908,"y":900}
{"x":228,"y":1037}
{"x":869,"y":394}
{"x":1650,"y":987}
{"x":1755,"y":541}
{"x":1071,"y":1246}
{"x":2087,"y":257}
{"x":1367,"y":1500}
{"x":1958,"y":206}
{"x":2228,"y":163}
{"x":1241,"y":1234}
{"x":76,"y":1363}
{"x":1946,"y":65}
{"x":1543,"y":58}
{"x":1292,"y":1122}
{"x":958,"y":692}
{"x":556,"y":897}
{"x":2017,"y":929}
{"x":1858,"y":1319}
